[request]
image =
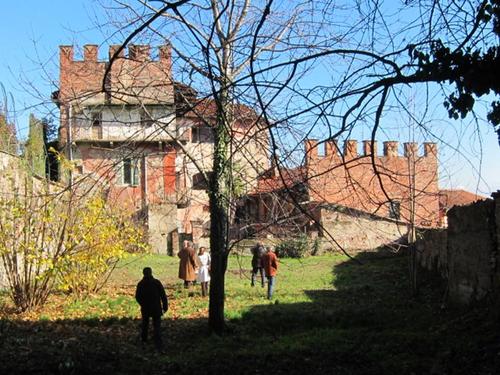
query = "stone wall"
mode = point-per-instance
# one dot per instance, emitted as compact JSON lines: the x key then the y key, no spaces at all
{"x":467,"y":254}
{"x":162,"y":221}
{"x":12,"y":176}
{"x":431,"y":250}
{"x":356,"y":231}
{"x":472,"y":250}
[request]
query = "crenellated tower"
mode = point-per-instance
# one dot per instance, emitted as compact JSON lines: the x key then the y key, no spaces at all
{"x":119,"y":99}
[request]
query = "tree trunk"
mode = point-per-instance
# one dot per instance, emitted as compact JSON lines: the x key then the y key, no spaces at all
{"x":217,"y":290}
{"x":219,"y":204}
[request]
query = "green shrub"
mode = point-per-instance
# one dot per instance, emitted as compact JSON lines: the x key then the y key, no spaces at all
{"x":316,"y":246}
{"x":293,"y":248}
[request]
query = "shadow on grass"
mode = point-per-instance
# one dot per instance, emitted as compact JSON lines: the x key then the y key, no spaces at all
{"x":367,"y":323}
{"x":93,"y":346}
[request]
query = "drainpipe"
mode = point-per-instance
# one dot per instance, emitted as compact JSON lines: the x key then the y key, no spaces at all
{"x":145,"y":182}
{"x":70,"y":142}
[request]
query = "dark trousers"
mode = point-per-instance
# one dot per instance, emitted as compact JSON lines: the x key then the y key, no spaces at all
{"x":156,"y":329}
{"x":255,"y":271}
{"x":204,"y":288}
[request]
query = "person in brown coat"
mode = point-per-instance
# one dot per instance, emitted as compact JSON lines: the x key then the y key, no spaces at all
{"x":270,"y":265}
{"x":187,"y":264}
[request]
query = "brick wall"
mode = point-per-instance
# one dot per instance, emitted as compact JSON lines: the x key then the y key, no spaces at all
{"x":349,"y":179}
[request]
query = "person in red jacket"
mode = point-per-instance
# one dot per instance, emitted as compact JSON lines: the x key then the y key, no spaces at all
{"x":270,"y":264}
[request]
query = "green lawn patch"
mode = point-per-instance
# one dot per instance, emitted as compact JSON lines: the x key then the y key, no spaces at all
{"x":329,"y":315}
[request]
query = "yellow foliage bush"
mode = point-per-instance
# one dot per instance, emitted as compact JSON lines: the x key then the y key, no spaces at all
{"x":98,"y":238}
{"x":59,"y":240}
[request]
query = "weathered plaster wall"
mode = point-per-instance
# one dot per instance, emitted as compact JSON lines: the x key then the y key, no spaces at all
{"x":469,"y":258}
{"x":358,"y":232}
{"x":162,"y":221}
{"x":471,"y":250}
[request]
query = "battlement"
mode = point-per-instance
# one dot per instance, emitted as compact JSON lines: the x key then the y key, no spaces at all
{"x":134,"y":77}
{"x":136,"y":52}
{"x":350,"y":149}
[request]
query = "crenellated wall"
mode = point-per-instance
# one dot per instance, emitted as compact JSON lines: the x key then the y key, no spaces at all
{"x":369,"y":182}
{"x":134,"y":80}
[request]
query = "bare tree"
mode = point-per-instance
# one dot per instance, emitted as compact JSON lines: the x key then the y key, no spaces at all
{"x":268,"y":55}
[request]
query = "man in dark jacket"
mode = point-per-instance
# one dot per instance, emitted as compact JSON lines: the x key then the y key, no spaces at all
{"x":152,"y":298}
{"x":257,"y":254}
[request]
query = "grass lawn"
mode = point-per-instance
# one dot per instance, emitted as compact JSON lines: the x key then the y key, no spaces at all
{"x":329,"y":315}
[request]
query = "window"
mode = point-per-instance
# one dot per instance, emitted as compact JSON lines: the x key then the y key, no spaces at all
{"x":199,"y":182}
{"x":96,"y":121}
{"x":202,"y":134}
{"x":395,"y":210}
{"x":146,"y":119}
{"x":130,"y":172}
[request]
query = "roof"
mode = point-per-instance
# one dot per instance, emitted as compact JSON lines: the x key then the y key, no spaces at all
{"x":276,"y":181}
{"x":457,"y":197}
{"x":207,"y":109}
{"x":189,"y":105}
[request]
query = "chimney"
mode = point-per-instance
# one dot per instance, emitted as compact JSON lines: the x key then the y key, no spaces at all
{"x":311,"y":148}
{"x":350,"y":148}
{"x":430,"y":149}
{"x":113,"y":48}
{"x":65,"y":54}
{"x":139,"y":52}
{"x":90,"y":52}
{"x":411,"y":149}
{"x":367,"y":148}
{"x":391,"y":149}
{"x":274,"y":166}
{"x":331,"y":148}
{"x":165,"y":52}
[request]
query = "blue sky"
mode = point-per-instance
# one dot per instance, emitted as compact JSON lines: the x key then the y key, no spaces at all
{"x":31,"y":32}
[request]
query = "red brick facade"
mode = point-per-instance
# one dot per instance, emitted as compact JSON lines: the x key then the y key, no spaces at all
{"x":133,"y":82}
{"x":388,"y":185}
{"x":146,"y":140}
{"x":403,"y":188}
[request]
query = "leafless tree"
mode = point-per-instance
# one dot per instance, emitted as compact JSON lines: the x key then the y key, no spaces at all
{"x":313,"y":70}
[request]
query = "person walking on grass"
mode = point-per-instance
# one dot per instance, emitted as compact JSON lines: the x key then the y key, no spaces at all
{"x":257,"y":254}
{"x":203,"y":270}
{"x":187,"y":264}
{"x":153,"y":300}
{"x":270,"y":265}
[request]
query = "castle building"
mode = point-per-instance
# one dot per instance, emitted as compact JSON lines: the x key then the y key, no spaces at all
{"x":146,"y":140}
{"x":400,"y":187}
{"x":359,"y":200}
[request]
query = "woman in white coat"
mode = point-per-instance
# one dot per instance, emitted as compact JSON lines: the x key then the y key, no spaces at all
{"x":203,"y":270}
